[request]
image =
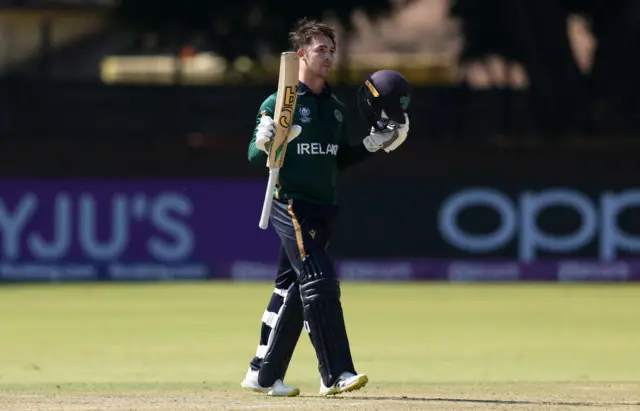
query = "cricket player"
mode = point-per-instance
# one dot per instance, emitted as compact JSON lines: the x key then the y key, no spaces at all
{"x":307,"y":290}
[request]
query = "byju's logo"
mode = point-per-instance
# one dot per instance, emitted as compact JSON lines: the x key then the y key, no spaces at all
{"x":519,"y":221}
{"x":79,"y":228}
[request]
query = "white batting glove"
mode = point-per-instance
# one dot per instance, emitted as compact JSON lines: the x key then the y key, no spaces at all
{"x":267,"y":131}
{"x":388,"y":140}
{"x":403,"y":132}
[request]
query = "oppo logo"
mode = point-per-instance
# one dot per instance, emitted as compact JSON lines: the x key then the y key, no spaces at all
{"x":519,"y":221}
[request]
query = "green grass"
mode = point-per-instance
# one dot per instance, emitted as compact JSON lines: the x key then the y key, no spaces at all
{"x":173,"y":336}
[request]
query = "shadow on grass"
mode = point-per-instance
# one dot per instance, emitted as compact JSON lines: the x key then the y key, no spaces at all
{"x":496,"y":402}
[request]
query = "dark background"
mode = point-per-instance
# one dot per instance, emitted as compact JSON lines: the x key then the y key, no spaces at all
{"x":567,"y":127}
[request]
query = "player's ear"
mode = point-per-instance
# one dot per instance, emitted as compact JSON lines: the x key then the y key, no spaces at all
{"x":300,"y":53}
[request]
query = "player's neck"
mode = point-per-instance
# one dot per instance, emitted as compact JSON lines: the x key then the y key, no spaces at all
{"x":315,"y":83}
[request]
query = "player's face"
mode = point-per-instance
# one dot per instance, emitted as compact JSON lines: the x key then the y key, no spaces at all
{"x":319,"y":56}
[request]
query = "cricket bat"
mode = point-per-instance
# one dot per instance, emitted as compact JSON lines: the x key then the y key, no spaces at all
{"x":283,"y":116}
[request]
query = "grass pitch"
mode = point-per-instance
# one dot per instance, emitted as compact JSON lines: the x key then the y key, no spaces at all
{"x":186,"y":346}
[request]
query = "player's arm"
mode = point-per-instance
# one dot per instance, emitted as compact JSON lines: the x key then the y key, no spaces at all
{"x":348,"y":154}
{"x":257,"y":153}
{"x":388,"y":141}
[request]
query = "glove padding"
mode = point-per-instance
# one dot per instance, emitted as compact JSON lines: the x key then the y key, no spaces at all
{"x":267,"y":131}
{"x":388,"y":140}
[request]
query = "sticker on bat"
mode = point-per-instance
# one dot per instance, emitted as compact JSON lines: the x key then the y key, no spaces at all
{"x":288,"y":99}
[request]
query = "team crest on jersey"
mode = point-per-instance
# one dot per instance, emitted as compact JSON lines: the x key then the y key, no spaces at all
{"x":304,"y":114}
{"x":338,"y":115}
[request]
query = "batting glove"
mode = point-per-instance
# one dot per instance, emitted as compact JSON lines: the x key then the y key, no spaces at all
{"x":388,"y":140}
{"x":267,"y":131}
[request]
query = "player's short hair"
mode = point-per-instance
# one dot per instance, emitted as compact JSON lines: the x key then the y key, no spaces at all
{"x":304,"y":30}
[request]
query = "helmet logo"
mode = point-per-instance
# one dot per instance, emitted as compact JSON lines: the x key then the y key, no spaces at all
{"x":404,"y":101}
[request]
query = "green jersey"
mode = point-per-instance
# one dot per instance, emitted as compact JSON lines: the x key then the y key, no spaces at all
{"x":314,"y":158}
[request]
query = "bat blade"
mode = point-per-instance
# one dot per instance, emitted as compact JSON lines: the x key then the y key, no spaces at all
{"x":285,"y":106}
{"x":286,"y":98}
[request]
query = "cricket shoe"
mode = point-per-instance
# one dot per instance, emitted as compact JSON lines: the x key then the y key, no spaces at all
{"x":278,"y":389}
{"x":346,"y":382}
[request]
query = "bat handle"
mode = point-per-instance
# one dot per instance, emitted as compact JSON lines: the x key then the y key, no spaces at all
{"x":268,"y":198}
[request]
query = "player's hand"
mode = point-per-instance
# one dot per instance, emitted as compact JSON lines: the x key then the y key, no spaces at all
{"x":389,"y":139}
{"x":267,"y":131}
{"x":403,"y":131}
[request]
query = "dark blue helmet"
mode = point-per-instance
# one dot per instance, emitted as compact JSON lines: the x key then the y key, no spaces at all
{"x":384,"y":96}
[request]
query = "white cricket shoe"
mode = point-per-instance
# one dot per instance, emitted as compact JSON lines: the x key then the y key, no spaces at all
{"x":346,"y":382}
{"x":278,"y":389}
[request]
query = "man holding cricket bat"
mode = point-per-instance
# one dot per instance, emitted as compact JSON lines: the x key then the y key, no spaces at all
{"x":304,"y":208}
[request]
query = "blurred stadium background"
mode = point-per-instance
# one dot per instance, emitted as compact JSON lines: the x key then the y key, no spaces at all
{"x":125,"y":125}
{"x":123,"y":159}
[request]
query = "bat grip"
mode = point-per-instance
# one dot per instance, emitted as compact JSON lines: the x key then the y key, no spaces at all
{"x":268,"y":198}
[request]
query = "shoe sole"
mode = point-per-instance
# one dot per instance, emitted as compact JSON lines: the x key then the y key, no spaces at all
{"x":360,"y":383}
{"x":293,"y":393}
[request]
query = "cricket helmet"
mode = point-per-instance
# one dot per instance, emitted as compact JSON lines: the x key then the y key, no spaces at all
{"x":384,"y":96}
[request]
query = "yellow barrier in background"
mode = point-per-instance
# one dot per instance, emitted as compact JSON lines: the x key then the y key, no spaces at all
{"x":208,"y":69}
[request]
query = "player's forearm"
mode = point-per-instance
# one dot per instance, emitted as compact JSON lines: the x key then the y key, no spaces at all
{"x":256,"y":156}
{"x":351,"y":155}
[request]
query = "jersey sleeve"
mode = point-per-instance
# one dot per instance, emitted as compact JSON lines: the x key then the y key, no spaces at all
{"x":348,"y":154}
{"x":257,"y":156}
